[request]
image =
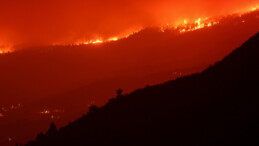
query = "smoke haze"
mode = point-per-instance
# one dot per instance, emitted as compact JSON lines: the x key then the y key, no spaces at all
{"x":45,"y":22}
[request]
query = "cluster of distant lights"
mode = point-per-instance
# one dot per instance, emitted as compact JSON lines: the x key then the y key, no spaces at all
{"x":52,"y":114}
{"x":6,"y":109}
{"x":9,"y":108}
{"x":186,"y":26}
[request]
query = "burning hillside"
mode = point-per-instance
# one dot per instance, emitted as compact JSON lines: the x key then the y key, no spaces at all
{"x":65,"y":22}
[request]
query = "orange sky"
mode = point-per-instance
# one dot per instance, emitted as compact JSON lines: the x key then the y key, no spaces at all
{"x":46,"y":22}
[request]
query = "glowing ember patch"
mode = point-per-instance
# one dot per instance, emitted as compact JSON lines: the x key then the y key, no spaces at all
{"x":45,"y":112}
{"x":97,"y":42}
{"x":188,"y":25}
{"x":5,"y":50}
{"x":114,"y":39}
{"x":183,"y":30}
{"x":253,"y":9}
{"x":185,"y":22}
{"x":101,"y":40}
{"x":1,"y":115}
{"x":197,"y":24}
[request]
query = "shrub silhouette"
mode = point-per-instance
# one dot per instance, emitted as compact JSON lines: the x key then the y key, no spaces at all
{"x":93,"y":108}
{"x":40,"y":136}
{"x":119,"y":92}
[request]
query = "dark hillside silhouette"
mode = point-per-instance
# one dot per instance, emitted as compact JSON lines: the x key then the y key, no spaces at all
{"x":72,"y":78}
{"x":218,"y":107}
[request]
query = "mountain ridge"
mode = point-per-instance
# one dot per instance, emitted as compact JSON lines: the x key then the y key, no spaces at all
{"x":70,"y":78}
{"x":218,"y":106}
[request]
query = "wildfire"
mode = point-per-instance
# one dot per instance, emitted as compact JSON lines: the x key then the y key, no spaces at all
{"x":253,"y":9}
{"x":5,"y":50}
{"x":197,"y":24}
{"x":113,"y":39}
{"x":99,"y":41}
{"x":185,"y":26}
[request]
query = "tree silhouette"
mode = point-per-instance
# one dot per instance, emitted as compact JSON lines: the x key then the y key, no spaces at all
{"x":119,"y":92}
{"x":52,"y":130}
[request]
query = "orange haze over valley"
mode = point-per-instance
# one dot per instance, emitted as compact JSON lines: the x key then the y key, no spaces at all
{"x":58,"y":57}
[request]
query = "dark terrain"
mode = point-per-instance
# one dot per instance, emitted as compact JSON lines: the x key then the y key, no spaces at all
{"x":65,"y":80}
{"x":219,"y":106}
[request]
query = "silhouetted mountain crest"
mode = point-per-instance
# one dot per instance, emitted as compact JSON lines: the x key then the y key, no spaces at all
{"x":219,"y":106}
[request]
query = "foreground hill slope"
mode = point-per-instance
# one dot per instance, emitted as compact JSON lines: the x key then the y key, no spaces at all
{"x":219,"y":106}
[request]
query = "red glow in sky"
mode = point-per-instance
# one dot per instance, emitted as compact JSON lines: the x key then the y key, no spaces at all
{"x":78,"y":68}
{"x":45,"y":22}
